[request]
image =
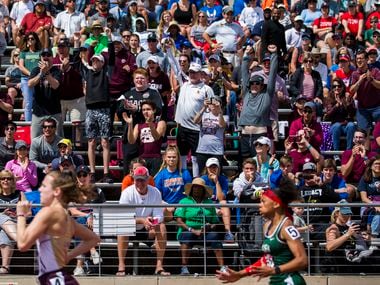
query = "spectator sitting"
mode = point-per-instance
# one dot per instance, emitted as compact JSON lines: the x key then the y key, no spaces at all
{"x":101,"y":41}
{"x":7,"y":143}
{"x":331,"y":179}
{"x":8,"y":195}
{"x":128,"y":179}
{"x":309,"y":124}
{"x":354,"y":160}
{"x":369,"y":187}
{"x":219,"y":184}
{"x":303,"y":153}
{"x":247,"y":178}
{"x":65,"y":147}
{"x":266,"y":163}
{"x":285,"y":170}
{"x":195,"y":228}
{"x":24,"y":170}
{"x":149,"y":221}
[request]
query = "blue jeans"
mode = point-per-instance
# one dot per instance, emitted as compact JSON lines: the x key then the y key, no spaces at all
{"x":375,"y":225}
{"x":365,"y":117}
{"x":28,"y":93}
{"x":337,"y":129}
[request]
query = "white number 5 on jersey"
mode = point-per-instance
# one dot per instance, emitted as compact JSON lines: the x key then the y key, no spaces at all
{"x":293,"y":232}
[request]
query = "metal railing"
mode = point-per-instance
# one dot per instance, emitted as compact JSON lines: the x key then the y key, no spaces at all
{"x":110,"y":218}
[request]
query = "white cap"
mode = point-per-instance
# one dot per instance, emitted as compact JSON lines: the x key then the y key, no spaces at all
{"x":263,"y":140}
{"x":152,"y":58}
{"x":195,"y":67}
{"x":212,"y":161}
{"x":98,"y":56}
{"x":298,"y":18}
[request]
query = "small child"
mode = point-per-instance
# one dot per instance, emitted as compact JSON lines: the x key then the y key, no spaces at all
{"x":299,"y":222}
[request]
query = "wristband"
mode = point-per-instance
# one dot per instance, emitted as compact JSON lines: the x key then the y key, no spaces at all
{"x":190,"y":229}
{"x":20,"y":215}
{"x":277,"y":269}
{"x":309,"y":146}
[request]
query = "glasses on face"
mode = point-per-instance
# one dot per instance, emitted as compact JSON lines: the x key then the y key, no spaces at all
{"x":152,"y":41}
{"x":182,"y":60}
{"x":16,"y":55}
{"x":62,"y":146}
{"x":6,"y":178}
{"x":10,"y":129}
{"x":48,"y":127}
{"x":80,"y":175}
{"x":46,"y":55}
{"x":374,"y":22}
{"x":307,"y":111}
{"x":258,"y":144}
{"x":31,"y":39}
{"x":201,"y":16}
{"x":126,"y":36}
{"x":256,"y":83}
{"x":375,"y":36}
{"x":359,"y":138}
{"x":308,"y":61}
{"x":336,"y":86}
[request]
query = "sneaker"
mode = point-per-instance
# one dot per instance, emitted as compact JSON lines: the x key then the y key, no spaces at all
{"x":96,"y":259}
{"x":185,"y":270}
{"x":223,"y":268}
{"x":337,"y":160}
{"x":106,"y":179}
{"x":229,"y":237}
{"x":78,"y":271}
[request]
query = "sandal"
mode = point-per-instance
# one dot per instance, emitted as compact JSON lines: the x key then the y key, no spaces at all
{"x":4,"y":270}
{"x":120,"y":273}
{"x":162,"y":272}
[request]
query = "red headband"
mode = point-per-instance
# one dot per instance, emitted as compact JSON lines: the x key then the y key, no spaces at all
{"x":273,"y":196}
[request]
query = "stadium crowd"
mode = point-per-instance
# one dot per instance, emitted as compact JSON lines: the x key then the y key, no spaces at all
{"x":217,"y":69}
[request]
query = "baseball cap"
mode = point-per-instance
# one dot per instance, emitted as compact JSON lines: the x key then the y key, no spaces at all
{"x":40,"y":2}
{"x":310,"y":105}
{"x":152,"y":37}
{"x":344,"y":210}
{"x":306,"y":37}
{"x":309,"y":166}
{"x":298,"y":18}
{"x":352,"y":3}
{"x":83,"y":168}
{"x":186,"y":43}
{"x":141,"y":172}
{"x":64,"y":158}
{"x":63,"y":43}
{"x":376,"y":31}
{"x":344,"y":57}
{"x":20,"y":144}
{"x":227,"y":9}
{"x":267,"y":57}
{"x":214,"y":57}
{"x":324,"y":5}
{"x":65,"y":142}
{"x":212,"y":161}
{"x":207,"y":71}
{"x":263,"y":140}
{"x":98,"y":56}
{"x":153,"y":58}
{"x":257,"y":78}
{"x":195,"y":67}
{"x":140,"y":19}
{"x":46,"y":51}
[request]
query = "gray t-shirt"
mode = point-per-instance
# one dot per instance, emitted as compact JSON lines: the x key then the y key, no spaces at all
{"x":41,"y":152}
{"x":211,"y":135}
{"x":226,"y":33}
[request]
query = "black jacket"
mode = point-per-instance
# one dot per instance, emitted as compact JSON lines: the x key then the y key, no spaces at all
{"x":296,"y":83}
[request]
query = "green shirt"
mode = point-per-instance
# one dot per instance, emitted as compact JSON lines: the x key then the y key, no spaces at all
{"x":31,"y":59}
{"x":102,"y":45}
{"x":277,"y":252}
{"x":196,"y":217}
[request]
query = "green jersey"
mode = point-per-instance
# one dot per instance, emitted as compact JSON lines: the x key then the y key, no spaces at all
{"x":277,"y":252}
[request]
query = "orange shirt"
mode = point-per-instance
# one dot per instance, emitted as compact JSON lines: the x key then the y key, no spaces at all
{"x":128,"y":181}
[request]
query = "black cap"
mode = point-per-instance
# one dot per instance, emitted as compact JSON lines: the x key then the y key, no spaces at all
{"x":352,"y":3}
{"x":152,"y":37}
{"x":64,"y":158}
{"x":64,"y":43}
{"x":46,"y":51}
{"x":257,"y":78}
{"x":83,"y":168}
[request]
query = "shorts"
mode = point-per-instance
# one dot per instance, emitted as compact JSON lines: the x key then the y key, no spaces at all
{"x":187,"y":140}
{"x":76,"y":109}
{"x":212,"y":239}
{"x":98,"y":123}
{"x":142,"y":236}
{"x":4,"y":238}
{"x":57,"y":277}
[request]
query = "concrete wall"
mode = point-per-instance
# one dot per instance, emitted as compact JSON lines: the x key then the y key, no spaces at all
{"x":175,"y":280}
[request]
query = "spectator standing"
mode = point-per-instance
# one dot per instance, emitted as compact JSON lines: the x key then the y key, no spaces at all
{"x":190,"y":101}
{"x":24,"y":170}
{"x":7,"y":143}
{"x":366,"y":81}
{"x":97,"y":39}
{"x":142,"y":58}
{"x":183,"y":13}
{"x":29,"y":58}
{"x":43,"y":148}
{"x":101,"y":15}
{"x":229,"y":36}
{"x":46,"y":79}
{"x":149,"y":221}
{"x":70,"y":21}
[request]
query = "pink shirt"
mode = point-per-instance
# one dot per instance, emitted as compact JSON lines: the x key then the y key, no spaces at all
{"x":25,"y":179}
{"x":308,"y":87}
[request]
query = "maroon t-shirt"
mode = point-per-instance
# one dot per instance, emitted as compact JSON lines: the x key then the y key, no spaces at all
{"x":299,"y":159}
{"x":358,"y":167}
{"x":376,"y":134}
{"x":148,"y":147}
{"x":368,"y":96}
{"x":161,"y":83}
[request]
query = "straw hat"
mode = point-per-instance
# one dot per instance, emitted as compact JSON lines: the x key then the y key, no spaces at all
{"x":199,"y":182}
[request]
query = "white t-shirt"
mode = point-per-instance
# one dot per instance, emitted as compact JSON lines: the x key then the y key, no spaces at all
{"x":130,"y":196}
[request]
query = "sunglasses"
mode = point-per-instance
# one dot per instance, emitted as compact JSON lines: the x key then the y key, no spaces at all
{"x":307,"y":111}
{"x":80,"y":175}
{"x":31,"y":39}
{"x":10,"y":129}
{"x":46,"y":54}
{"x":256,"y":83}
{"x":182,"y":61}
{"x":48,"y":127}
{"x":336,"y":86}
{"x":62,"y":146}
{"x":200,"y":16}
{"x":6,"y":178}
{"x":152,"y":41}
{"x":258,"y":144}
{"x":308,"y":61}
{"x":126,"y":36}
{"x":16,"y":55}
